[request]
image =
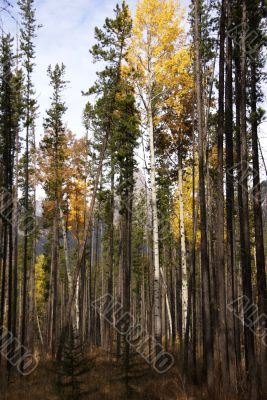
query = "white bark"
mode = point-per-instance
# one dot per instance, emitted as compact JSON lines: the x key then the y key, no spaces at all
{"x":157,"y":317}
{"x":183,"y":252}
{"x":167,"y":303}
{"x":66,"y":251}
{"x":68,"y":269}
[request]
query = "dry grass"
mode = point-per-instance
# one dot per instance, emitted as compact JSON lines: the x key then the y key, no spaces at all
{"x":107,"y":377}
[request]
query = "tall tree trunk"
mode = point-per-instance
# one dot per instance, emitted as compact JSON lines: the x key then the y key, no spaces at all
{"x":126,"y":245}
{"x":155,"y":227}
{"x":230,"y":205}
{"x":258,"y":224}
{"x":239,"y":198}
{"x":183,"y":249}
{"x":245,"y":233}
{"x":55,"y":280}
{"x":108,"y":324}
{"x":24,"y":314}
{"x":32,"y":308}
{"x":15,"y":235}
{"x":220,"y":268}
{"x":82,"y":250}
{"x":207,"y":337}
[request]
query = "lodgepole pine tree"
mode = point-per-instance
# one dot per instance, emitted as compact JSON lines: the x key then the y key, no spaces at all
{"x":52,"y":147}
{"x":207,"y":334}
{"x":112,"y":48}
{"x":10,"y":117}
{"x":124,"y":142}
{"x":27,"y":46}
{"x":230,"y":202}
{"x":220,"y":259}
{"x":255,"y":16}
{"x":245,"y":228}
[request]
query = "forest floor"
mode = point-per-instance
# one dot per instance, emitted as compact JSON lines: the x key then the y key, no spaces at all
{"x":105,"y":381}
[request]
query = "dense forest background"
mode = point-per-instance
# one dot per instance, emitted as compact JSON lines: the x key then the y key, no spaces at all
{"x":133,"y":252}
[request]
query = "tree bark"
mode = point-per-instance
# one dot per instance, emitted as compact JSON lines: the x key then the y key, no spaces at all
{"x":207,"y":337}
{"x":220,"y":272}
{"x":245,"y":233}
{"x":183,"y":249}
{"x":230,"y":205}
{"x":155,"y":227}
{"x":258,"y":224}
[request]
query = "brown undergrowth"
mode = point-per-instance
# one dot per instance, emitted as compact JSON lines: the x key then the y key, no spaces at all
{"x":106,"y":381}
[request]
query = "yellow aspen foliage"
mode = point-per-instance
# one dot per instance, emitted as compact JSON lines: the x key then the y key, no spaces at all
{"x":74,"y":184}
{"x":77,"y":207}
{"x":158,"y":37}
{"x":180,"y":98}
{"x":177,"y":110}
{"x":40,"y":282}
{"x":78,"y":186}
{"x":162,"y":61}
{"x":188,"y":205}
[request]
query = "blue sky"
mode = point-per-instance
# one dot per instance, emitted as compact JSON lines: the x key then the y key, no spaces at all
{"x":66,"y":36}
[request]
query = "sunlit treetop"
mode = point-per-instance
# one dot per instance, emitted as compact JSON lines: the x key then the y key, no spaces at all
{"x":158,"y":36}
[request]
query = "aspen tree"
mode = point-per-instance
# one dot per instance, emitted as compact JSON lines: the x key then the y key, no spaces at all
{"x":157,"y":33}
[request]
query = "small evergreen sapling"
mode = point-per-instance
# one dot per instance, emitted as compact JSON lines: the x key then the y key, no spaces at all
{"x":73,"y":368}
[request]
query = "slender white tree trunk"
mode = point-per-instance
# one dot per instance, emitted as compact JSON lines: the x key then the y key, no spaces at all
{"x":183,"y":252}
{"x":167,"y":302}
{"x":75,"y":311}
{"x":157,"y":317}
{"x":66,"y":250}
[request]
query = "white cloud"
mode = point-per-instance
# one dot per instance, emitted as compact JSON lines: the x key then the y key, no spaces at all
{"x":66,"y":36}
